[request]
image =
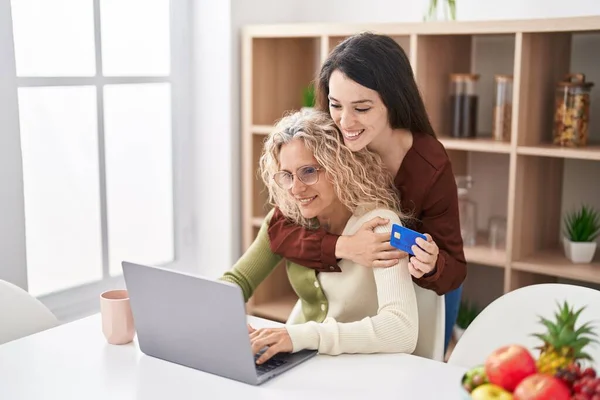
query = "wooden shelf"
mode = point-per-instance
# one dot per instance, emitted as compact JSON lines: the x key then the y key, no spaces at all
{"x":591,"y":152}
{"x":476,"y":144}
{"x":483,"y":254}
{"x":278,"y":309}
{"x":554,"y":263}
{"x":261,"y":129}
{"x":525,"y":180}
{"x":572,"y":24}
{"x":257,"y":221}
{"x":281,"y":69}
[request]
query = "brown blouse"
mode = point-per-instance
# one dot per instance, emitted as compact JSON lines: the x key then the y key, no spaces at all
{"x":428,"y":192}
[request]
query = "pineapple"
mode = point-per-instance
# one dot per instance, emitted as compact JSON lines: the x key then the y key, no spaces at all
{"x":563,"y":344}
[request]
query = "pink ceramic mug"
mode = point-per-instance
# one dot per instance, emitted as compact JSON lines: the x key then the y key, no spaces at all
{"x":117,"y":319}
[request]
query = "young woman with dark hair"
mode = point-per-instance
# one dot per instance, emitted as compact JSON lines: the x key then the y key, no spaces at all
{"x":368,"y":88}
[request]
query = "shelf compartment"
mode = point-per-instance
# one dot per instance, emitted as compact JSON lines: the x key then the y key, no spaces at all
{"x":281,"y":69}
{"x":260,"y":194}
{"x":274,"y":298}
{"x":334,"y":41}
{"x":486,"y":55}
{"x":546,"y":58}
{"x":484,"y":145}
{"x":591,"y":152}
{"x":483,"y":254}
{"x":537,"y":204}
{"x":483,"y":294}
{"x":553,"y":263}
{"x":584,"y":59}
{"x":277,"y":309}
{"x":547,"y":188}
{"x":490,"y":195}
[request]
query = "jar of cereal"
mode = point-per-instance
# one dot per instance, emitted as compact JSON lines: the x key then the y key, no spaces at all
{"x":502,"y":114}
{"x":572,"y":111}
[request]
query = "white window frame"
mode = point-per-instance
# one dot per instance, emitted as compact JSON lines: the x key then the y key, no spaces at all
{"x":83,"y":300}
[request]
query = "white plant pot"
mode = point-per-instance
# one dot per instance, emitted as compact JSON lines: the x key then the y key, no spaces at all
{"x":579,"y":252}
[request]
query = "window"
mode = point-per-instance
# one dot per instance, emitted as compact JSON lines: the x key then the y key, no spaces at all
{"x":100,"y":99}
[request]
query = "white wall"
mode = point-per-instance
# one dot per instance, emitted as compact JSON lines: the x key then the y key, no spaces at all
{"x":524,"y":9}
{"x":217,"y":108}
{"x":12,"y":213}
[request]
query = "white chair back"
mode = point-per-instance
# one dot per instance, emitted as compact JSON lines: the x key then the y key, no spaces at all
{"x":21,"y":314}
{"x":432,"y":319}
{"x":514,"y":317}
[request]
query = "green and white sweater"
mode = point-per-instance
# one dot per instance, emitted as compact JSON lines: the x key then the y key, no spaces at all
{"x":358,"y":310}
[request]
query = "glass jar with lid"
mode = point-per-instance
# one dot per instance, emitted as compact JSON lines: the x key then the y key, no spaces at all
{"x":572,"y":111}
{"x":502,"y":114}
{"x":467,"y":211}
{"x":463,"y":105}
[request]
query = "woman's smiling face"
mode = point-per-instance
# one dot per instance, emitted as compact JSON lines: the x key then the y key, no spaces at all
{"x":357,"y":110}
{"x":313,"y":200}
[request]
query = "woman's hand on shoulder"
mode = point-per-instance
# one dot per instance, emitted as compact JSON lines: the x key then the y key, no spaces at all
{"x":425,"y":258}
{"x":368,"y":248}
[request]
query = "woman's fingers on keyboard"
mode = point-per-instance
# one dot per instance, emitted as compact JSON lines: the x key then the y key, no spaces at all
{"x":276,"y":339}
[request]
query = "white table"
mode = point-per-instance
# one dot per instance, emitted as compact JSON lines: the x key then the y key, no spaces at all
{"x":73,"y":361}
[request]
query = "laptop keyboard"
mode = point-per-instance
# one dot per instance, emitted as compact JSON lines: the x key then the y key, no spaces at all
{"x":269,"y":365}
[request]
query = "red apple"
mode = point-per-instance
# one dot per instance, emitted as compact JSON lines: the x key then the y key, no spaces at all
{"x":541,"y":387}
{"x":509,"y":365}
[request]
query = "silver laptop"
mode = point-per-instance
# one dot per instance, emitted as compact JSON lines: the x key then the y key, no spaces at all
{"x":199,"y":323}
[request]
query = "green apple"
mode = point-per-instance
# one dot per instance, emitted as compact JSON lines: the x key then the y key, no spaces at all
{"x":474,"y":377}
{"x":489,"y":391}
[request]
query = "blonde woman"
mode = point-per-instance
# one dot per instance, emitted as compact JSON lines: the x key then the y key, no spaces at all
{"x":318,"y":182}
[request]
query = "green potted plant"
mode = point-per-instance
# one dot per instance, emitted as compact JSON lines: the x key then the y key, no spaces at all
{"x":308,"y":96}
{"x":582,"y":227}
{"x":448,"y":7}
{"x":467,"y":312}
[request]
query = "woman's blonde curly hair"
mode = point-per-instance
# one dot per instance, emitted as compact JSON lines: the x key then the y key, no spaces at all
{"x":359,"y":178}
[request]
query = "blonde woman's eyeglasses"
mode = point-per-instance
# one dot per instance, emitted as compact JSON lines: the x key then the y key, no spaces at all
{"x":307,"y":174}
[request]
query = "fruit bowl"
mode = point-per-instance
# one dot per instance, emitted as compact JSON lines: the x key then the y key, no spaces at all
{"x":512,"y":372}
{"x":572,"y":382}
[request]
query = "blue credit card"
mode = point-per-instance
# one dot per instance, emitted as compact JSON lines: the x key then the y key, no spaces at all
{"x":403,"y":238}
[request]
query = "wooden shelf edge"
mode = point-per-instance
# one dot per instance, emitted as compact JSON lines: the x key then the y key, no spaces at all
{"x":257,"y":221}
{"x":312,"y":30}
{"x":484,"y":145}
{"x":483,"y":254}
{"x":261,"y":129}
{"x":276,"y":310}
{"x":487,"y":256}
{"x":591,"y":152}
{"x":554,"y":263}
